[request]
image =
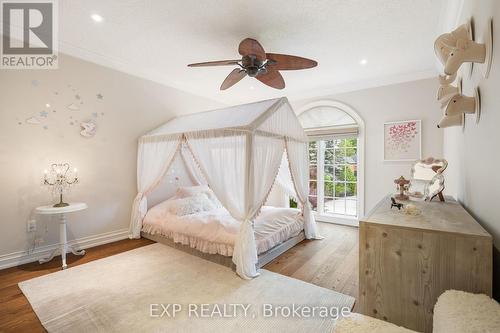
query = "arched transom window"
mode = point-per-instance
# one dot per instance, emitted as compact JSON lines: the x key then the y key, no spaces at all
{"x":334,"y":161}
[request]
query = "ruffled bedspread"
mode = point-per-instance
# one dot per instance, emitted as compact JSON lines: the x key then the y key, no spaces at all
{"x":215,"y":231}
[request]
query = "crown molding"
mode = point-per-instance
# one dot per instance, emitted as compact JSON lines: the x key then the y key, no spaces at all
{"x":130,"y":69}
{"x":366,"y":84}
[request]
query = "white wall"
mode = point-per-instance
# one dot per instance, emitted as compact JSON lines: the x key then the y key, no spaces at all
{"x":473,"y":153}
{"x":106,"y":162}
{"x":405,"y":101}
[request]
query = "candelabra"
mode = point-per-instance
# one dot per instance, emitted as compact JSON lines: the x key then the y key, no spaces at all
{"x":59,"y":179}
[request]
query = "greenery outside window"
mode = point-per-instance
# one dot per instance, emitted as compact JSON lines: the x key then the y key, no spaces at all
{"x":334,"y":176}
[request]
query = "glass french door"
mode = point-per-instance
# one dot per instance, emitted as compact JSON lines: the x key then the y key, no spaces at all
{"x":333,"y":176}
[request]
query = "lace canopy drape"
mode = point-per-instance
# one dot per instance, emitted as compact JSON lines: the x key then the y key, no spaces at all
{"x":239,"y":151}
{"x":153,"y":160}
{"x":298,"y":158}
{"x":192,"y":169}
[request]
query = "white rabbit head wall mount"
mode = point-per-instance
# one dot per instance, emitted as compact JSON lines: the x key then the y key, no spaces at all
{"x":460,"y":104}
{"x":446,"y":90}
{"x":452,"y":121}
{"x":457,"y":47}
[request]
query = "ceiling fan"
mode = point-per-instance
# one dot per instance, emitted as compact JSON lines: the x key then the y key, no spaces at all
{"x":255,"y":62}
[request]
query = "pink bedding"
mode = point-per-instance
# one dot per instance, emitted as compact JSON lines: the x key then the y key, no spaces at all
{"x":215,"y":231}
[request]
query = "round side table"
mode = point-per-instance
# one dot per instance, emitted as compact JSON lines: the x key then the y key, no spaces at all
{"x":63,"y":243}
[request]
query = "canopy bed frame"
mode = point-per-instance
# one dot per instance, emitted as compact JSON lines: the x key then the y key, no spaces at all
{"x":240,"y":152}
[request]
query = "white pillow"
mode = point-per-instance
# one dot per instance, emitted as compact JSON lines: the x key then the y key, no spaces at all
{"x":189,"y":191}
{"x":191,"y":205}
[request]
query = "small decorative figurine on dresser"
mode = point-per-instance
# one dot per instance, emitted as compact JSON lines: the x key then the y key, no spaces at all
{"x":396,"y":204}
{"x":411,"y":209}
{"x":402,"y":186}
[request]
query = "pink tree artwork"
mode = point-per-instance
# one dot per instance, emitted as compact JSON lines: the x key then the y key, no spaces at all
{"x":402,"y":140}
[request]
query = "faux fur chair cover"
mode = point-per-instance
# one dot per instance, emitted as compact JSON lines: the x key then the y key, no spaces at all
{"x":455,"y":311}
{"x":460,"y":312}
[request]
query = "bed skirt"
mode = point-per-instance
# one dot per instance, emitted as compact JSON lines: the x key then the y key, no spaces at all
{"x":264,"y":243}
{"x":193,"y":242}
{"x":264,"y":258}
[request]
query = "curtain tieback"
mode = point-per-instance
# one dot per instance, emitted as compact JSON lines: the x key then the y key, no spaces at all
{"x":140,"y":204}
{"x":306,"y":206}
{"x":139,"y":197}
{"x":250,"y":222}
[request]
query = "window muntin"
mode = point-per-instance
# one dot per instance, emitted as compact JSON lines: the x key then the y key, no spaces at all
{"x":333,"y":176}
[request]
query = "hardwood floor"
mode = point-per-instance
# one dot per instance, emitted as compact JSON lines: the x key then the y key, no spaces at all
{"x":331,"y":263}
{"x":16,"y":314}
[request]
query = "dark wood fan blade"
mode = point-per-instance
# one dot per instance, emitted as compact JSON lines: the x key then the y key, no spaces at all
{"x":289,"y":62}
{"x":251,"y":46}
{"x":215,"y":63}
{"x":234,"y":77}
{"x":272,"y":78}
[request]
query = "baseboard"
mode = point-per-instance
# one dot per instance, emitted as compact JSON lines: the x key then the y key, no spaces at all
{"x":348,"y":221}
{"x":23,"y":257}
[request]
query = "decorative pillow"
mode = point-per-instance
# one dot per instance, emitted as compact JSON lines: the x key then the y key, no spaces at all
{"x":191,"y":205}
{"x":189,"y":191}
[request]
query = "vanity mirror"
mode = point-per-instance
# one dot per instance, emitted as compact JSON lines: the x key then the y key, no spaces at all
{"x":427,"y":180}
{"x":436,"y":187}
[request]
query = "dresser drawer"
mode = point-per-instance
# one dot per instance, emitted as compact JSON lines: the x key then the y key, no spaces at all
{"x":405,"y":266}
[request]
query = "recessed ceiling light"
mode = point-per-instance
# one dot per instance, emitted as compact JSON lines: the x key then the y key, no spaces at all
{"x":363,"y":62}
{"x":47,"y":105}
{"x":252,"y":87}
{"x":97,"y":17}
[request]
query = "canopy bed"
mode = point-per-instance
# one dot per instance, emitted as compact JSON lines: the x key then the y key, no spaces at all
{"x":235,"y":155}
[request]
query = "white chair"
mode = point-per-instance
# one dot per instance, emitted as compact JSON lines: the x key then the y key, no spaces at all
{"x":455,"y":311}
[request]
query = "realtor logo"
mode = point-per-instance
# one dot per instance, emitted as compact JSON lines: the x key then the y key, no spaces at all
{"x":29,"y":34}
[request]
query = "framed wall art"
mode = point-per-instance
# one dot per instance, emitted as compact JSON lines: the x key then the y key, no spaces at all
{"x":403,"y":140}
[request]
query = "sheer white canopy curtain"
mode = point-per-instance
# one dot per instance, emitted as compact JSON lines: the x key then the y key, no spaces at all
{"x":237,"y":151}
{"x":298,"y":158}
{"x":192,"y":168}
{"x":154,"y":157}
{"x":284,"y":179}
{"x":232,"y":162}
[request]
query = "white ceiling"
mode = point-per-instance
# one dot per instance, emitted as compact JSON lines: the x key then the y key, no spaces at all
{"x":156,"y":39}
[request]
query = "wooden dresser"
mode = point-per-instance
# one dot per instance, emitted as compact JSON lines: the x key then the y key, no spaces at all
{"x":406,"y":262}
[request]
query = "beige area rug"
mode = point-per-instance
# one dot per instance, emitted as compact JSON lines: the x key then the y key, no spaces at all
{"x":138,"y":291}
